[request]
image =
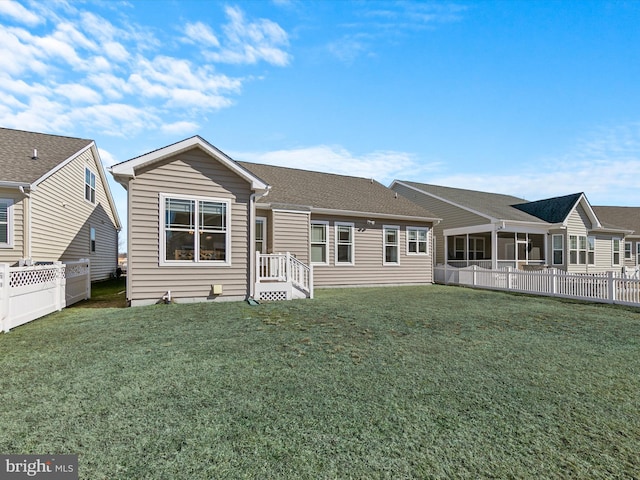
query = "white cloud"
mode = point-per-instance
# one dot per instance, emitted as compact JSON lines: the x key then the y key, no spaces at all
{"x":605,"y":166}
{"x":106,"y":157}
{"x":201,"y":34}
{"x":248,"y":42}
{"x":17,"y":12}
{"x":179,"y":128}
{"x":79,"y":58}
{"x":383,"y":166}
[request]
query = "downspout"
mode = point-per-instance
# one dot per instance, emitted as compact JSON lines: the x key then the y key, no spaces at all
{"x":26,"y":234}
{"x":252,"y":239}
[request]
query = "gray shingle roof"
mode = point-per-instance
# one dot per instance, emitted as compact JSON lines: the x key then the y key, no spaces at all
{"x":552,"y":210}
{"x":16,"y":150}
{"x":294,"y":187}
{"x":624,"y":217}
{"x":494,"y":205}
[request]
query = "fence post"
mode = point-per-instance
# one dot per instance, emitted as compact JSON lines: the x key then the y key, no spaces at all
{"x":554,"y":282}
{"x":287,"y":268}
{"x":611,"y":290}
{"x":59,"y":292}
{"x":88,"y":284}
{"x":475,"y":268}
{"x":509,"y":277}
{"x":4,"y":295}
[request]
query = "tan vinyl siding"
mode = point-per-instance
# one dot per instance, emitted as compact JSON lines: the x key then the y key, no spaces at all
{"x":452,"y":216}
{"x":191,"y":173}
{"x":62,"y":218}
{"x":577,"y":224}
{"x":12,"y":255}
{"x":368,"y":268}
{"x":291,"y":233}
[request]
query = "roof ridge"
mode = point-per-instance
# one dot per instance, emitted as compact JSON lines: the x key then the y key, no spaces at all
{"x":46,"y":134}
{"x":311,"y":171}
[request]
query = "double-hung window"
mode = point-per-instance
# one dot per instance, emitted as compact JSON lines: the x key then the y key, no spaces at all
{"x":615,"y":259}
{"x":89,"y":185}
{"x":558,"y":249}
{"x":344,"y":244}
{"x":92,"y":239}
{"x":627,"y":250}
{"x":319,"y":244}
{"x":591,"y":250}
{"x":638,"y":254}
{"x":417,"y":243}
{"x":391,"y":245}
{"x":261,"y":231}
{"x":195,"y":230}
{"x":6,"y":223}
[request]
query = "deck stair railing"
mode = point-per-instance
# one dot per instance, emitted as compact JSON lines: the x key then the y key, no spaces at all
{"x":281,"y":276}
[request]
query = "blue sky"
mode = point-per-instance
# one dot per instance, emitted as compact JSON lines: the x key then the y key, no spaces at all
{"x":530,"y":98}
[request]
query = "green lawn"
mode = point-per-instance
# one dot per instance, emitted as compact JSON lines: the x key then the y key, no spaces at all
{"x":412,"y":382}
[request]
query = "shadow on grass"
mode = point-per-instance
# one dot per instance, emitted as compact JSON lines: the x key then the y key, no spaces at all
{"x":106,"y":294}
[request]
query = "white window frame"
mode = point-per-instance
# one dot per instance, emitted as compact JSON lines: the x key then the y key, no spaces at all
{"x":325,"y":225}
{"x":554,"y":249}
{"x":591,"y":250}
{"x":628,"y":250}
{"x":473,"y":252}
{"x":615,"y":252}
{"x":196,"y":245}
{"x":582,"y":249}
{"x":417,"y":241}
{"x":9,"y":223}
{"x":263,"y":221}
{"x":638,"y":254}
{"x":464,"y":255}
{"x":89,"y":189}
{"x":92,"y":240}
{"x":385,"y":244}
{"x":351,"y":243}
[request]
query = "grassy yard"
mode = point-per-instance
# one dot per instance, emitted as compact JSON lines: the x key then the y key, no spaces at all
{"x":414,"y":382}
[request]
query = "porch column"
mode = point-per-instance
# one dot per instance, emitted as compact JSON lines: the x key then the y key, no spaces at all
{"x":546,"y":249}
{"x":494,"y":249}
{"x":446,"y":250}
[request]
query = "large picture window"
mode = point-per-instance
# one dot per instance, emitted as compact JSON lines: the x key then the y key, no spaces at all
{"x":195,"y":230}
{"x":6,"y":223}
{"x":344,"y":244}
{"x":417,"y":243}
{"x":319,"y":243}
{"x":89,"y":186}
{"x":391,"y":245}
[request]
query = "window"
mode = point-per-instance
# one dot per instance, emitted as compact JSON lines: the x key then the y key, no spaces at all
{"x":391,"y":245}
{"x":615,"y":260}
{"x":417,"y":241}
{"x":6,"y":223}
{"x":627,"y":250}
{"x":261,"y":230}
{"x":92,"y":239}
{"x":591,"y":250}
{"x":319,"y":242}
{"x":476,"y":248}
{"x":638,"y":253}
{"x":558,"y":249}
{"x":581,"y":250}
{"x":195,"y":230}
{"x":458,"y":248}
{"x":89,"y":185}
{"x":344,"y":243}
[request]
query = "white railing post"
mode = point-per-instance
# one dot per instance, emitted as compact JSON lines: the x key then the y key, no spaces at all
{"x":611,"y":287}
{"x":58,"y":290}
{"x":4,"y":295}
{"x":474,"y":280}
{"x":287,"y":268}
{"x":88,"y":284}
{"x":258,"y":267}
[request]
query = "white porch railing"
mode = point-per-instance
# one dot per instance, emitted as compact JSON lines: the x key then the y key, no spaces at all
{"x":28,"y":293}
{"x":609,"y":287}
{"x":281,"y":276}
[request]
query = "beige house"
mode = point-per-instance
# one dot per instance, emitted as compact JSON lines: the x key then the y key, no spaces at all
{"x":495,"y":231}
{"x":629,"y":218}
{"x":205,"y":227}
{"x":55,"y":202}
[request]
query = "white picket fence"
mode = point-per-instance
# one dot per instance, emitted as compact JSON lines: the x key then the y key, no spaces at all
{"x":609,"y":287}
{"x":28,"y":293}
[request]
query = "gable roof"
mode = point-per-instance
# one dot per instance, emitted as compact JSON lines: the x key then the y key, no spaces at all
{"x":625,"y":217}
{"x":494,"y":206}
{"x":318,"y":192}
{"x":552,"y":210}
{"x":127,"y":169}
{"x":17,"y":148}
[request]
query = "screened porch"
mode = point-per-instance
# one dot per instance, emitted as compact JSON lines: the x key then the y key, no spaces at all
{"x":496,"y":249}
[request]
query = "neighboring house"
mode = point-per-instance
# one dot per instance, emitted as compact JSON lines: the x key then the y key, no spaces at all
{"x":55,"y":203}
{"x":494,"y":231}
{"x":628,"y":217}
{"x":197,"y":219}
